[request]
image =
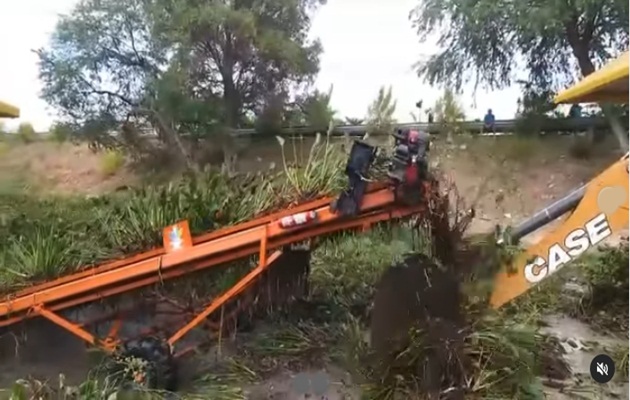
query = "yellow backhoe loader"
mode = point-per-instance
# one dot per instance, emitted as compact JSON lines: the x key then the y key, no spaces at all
{"x":592,"y":213}
{"x":8,"y":111}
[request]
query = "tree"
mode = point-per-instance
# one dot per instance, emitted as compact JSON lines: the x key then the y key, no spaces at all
{"x":484,"y":40}
{"x":105,"y":72}
{"x":245,"y":51}
{"x":449,"y":114}
{"x":315,"y":110}
{"x":380,"y":115}
{"x":487,"y":41}
{"x":175,"y":67}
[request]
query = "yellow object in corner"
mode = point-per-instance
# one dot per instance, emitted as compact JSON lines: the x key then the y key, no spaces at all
{"x":8,"y":111}
{"x":608,"y":84}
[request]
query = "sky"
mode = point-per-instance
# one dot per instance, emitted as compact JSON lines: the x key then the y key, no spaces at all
{"x":367,"y":44}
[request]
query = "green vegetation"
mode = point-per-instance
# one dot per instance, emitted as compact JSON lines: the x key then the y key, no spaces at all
{"x":150,"y":53}
{"x":60,"y":132}
{"x":162,"y":80}
{"x":449,"y":114}
{"x":485,"y":42}
{"x":506,"y":354}
{"x":46,"y":237}
{"x":26,"y":133}
{"x":606,"y":276}
{"x":380,"y":119}
{"x":111,"y":162}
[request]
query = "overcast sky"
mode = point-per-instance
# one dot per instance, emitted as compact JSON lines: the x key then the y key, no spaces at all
{"x":367,"y":44}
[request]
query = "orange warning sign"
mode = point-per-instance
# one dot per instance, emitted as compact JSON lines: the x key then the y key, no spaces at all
{"x":176,"y":237}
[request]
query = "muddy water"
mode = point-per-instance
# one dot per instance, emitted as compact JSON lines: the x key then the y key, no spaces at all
{"x":582,"y":343}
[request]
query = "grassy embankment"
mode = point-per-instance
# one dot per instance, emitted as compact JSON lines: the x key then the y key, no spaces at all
{"x":48,"y":237}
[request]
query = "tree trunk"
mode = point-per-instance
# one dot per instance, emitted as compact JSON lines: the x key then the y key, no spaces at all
{"x":231,"y":101}
{"x":172,"y":139}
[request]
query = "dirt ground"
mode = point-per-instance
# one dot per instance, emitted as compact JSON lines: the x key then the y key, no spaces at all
{"x":509,"y":178}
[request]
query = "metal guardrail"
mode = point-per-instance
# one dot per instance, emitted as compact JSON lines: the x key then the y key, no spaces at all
{"x":475,"y":127}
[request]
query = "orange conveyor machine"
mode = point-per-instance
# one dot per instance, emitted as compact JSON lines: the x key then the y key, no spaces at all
{"x":264,"y":236}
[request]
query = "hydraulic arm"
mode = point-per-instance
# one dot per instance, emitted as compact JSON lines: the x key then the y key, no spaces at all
{"x":597,"y":211}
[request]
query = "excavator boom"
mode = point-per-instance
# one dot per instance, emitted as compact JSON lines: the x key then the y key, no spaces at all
{"x":597,"y":211}
{"x":8,"y":111}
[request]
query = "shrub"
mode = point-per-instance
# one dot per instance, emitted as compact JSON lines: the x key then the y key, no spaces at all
{"x":26,"y":132}
{"x":607,"y":276}
{"x":60,"y":132}
{"x":111,"y":162}
{"x":605,"y":303}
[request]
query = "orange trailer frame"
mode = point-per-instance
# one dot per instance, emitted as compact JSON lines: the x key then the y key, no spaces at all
{"x":259,"y":237}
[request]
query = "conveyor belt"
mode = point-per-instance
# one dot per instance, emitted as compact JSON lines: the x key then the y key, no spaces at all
{"x":216,"y":248}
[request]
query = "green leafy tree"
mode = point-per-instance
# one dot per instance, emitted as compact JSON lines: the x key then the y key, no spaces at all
{"x":449,"y":114}
{"x":488,"y":41}
{"x":103,"y":69}
{"x":26,"y":132}
{"x":175,"y":68}
{"x":246,"y":52}
{"x":60,"y":132}
{"x":315,"y":110}
{"x":311,"y":110}
{"x":483,"y":40}
{"x":271,"y":118}
{"x":380,"y":115}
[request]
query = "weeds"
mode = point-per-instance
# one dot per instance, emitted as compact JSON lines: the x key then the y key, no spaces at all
{"x":111,"y":162}
{"x":321,"y":169}
{"x":110,"y":226}
{"x":605,"y":274}
{"x":346,"y":270}
{"x":620,"y":357}
{"x":48,"y":237}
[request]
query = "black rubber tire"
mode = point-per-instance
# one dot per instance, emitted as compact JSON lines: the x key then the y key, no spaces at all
{"x":161,"y":371}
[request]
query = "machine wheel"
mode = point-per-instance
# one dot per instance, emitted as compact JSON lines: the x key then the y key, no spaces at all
{"x":147,"y":362}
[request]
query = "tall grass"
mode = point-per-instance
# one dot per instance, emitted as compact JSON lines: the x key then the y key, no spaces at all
{"x":47,"y":237}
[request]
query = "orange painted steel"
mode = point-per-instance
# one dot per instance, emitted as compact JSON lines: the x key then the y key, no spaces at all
{"x":215,"y":248}
{"x":77,"y":329}
{"x":196,"y":240}
{"x":221,"y":300}
{"x":372,"y":218}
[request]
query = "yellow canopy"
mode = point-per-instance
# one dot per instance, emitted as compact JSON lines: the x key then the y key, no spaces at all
{"x":609,"y":84}
{"x":8,"y":111}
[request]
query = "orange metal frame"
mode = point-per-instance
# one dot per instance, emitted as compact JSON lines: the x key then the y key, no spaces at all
{"x":259,"y":236}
